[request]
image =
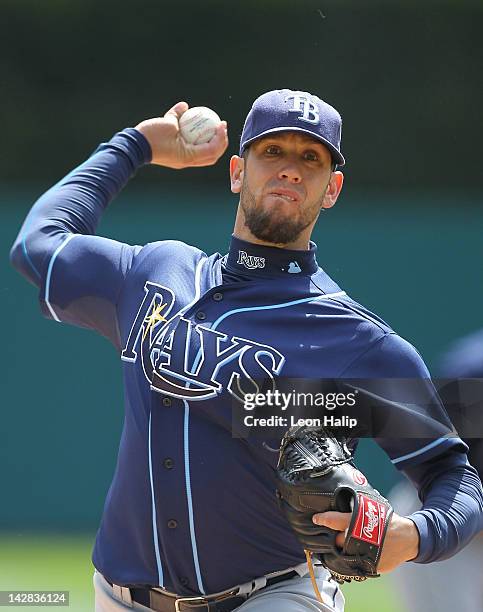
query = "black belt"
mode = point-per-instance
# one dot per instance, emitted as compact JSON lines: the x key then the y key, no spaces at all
{"x":162,"y":602}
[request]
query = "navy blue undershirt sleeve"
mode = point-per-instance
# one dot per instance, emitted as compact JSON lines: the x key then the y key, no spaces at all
{"x":452,"y":510}
{"x":448,"y":486}
{"x":80,"y":275}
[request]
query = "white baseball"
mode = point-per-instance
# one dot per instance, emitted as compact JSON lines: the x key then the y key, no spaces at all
{"x":198,"y":124}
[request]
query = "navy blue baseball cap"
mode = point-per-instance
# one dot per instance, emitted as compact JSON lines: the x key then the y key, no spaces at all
{"x":299,"y":111}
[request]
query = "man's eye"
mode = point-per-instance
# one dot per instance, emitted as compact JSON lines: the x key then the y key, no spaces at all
{"x":311,"y":156}
{"x":272,"y":150}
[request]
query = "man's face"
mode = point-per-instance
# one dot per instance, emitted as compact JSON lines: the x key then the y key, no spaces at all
{"x":285,"y":181}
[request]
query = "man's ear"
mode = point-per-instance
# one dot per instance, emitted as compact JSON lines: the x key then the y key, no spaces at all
{"x":237,"y":168}
{"x":333,"y":189}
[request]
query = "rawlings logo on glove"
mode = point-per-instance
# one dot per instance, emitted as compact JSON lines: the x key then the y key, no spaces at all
{"x":370,"y":520}
{"x":316,"y":474}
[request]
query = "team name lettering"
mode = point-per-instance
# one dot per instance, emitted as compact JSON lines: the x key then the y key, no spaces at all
{"x":250,"y":261}
{"x":189,"y":361}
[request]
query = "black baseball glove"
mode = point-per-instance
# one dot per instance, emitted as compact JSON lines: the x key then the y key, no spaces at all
{"x":316,"y":473}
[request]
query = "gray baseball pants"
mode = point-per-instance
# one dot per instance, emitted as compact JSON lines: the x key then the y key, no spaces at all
{"x":292,"y":595}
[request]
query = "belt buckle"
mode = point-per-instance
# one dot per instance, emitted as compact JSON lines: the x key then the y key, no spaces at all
{"x":187,"y":599}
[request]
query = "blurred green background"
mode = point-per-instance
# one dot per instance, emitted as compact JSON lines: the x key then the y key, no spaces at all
{"x":404,"y":239}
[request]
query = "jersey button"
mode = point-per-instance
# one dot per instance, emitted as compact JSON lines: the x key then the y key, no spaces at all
{"x":201,"y":316}
{"x":172,"y":524}
{"x":184,"y":581}
{"x":168,"y":463}
{"x":218,"y":297}
{"x":167,"y":401}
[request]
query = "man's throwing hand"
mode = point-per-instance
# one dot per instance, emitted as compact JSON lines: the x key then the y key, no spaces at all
{"x":169,"y":149}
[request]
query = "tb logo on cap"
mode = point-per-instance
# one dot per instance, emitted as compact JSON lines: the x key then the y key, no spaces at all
{"x":305,"y":107}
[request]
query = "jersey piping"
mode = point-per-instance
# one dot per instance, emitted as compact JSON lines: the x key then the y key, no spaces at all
{"x":420,"y":451}
{"x":49,"y":274}
{"x":153,"y":505}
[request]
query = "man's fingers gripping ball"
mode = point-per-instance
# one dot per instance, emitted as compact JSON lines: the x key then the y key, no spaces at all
{"x":207,"y":154}
{"x":175,"y":112}
{"x":204,"y":135}
{"x":169,"y":147}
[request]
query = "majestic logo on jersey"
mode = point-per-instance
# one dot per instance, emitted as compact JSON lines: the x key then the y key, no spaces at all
{"x":188,"y":361}
{"x":304,"y":106}
{"x":250,"y":261}
{"x":294,"y":268}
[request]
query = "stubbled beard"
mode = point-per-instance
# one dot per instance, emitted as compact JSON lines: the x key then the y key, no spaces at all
{"x":265,"y":225}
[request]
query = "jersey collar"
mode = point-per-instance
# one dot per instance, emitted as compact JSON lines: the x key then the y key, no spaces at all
{"x":257,"y":260}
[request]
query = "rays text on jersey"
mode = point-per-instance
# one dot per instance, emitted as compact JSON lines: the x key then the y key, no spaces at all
{"x":191,"y":361}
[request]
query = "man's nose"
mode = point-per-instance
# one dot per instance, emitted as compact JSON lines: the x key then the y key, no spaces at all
{"x":290,"y":172}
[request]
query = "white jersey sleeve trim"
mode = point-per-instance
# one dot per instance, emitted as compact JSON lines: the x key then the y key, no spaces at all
{"x":49,"y":275}
{"x":420,"y":451}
